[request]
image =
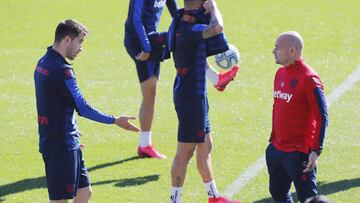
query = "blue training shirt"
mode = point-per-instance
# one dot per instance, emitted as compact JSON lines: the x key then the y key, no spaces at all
{"x":57,"y":96}
{"x":214,"y":45}
{"x":190,"y":61}
{"x":143,"y":18}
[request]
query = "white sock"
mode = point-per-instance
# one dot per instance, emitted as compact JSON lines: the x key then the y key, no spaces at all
{"x":212,"y":189}
{"x":145,"y":138}
{"x":212,"y":74}
{"x":176,"y":195}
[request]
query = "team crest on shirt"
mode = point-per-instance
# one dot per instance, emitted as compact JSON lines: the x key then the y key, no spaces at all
{"x":293,"y":83}
{"x":282,"y":84}
{"x":159,"y":3}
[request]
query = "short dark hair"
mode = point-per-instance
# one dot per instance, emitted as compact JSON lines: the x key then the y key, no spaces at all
{"x":69,"y":27}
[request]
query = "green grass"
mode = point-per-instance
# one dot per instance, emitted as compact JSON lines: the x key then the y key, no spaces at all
{"x":240,"y":117}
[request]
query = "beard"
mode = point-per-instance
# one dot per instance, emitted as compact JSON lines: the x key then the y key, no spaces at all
{"x":72,"y":55}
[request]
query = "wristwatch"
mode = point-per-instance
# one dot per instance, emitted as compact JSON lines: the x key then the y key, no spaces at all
{"x":317,"y":151}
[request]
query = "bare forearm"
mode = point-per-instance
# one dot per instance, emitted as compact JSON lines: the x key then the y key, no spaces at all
{"x":216,"y":24}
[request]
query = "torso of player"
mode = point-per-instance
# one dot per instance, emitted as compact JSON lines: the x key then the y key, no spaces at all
{"x":57,"y":126}
{"x":151,"y":13}
{"x":190,"y":62}
{"x":293,"y":119}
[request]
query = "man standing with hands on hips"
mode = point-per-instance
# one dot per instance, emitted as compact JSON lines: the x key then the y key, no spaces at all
{"x":299,"y":123}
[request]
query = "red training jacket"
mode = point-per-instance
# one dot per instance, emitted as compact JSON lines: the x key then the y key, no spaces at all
{"x":299,"y":110}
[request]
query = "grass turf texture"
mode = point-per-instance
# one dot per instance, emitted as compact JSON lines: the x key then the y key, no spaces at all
{"x":240,"y":117}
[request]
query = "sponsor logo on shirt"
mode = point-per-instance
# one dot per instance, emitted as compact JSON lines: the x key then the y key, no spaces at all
{"x":159,"y":3}
{"x":42,"y":70}
{"x":283,"y":95}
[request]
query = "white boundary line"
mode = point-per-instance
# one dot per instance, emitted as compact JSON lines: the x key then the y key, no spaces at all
{"x":344,"y":86}
{"x":260,"y":163}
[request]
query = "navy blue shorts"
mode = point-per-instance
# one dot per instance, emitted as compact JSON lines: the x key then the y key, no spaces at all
{"x":193,"y":117}
{"x":65,"y":173}
{"x":151,"y":67}
{"x":145,"y":69}
{"x":285,"y":168}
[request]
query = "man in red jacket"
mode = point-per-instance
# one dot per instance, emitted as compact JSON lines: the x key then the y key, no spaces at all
{"x":299,"y":122}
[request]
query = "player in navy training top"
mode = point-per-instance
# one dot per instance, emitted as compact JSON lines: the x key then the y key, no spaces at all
{"x":190,"y":97}
{"x":57,"y":97}
{"x":300,"y":120}
{"x":146,"y":46}
{"x":141,"y":39}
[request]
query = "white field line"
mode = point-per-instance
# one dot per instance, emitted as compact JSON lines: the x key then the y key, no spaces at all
{"x":255,"y":169}
{"x":344,"y":87}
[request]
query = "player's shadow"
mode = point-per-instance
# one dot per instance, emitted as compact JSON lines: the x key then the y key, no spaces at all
{"x":326,"y":188}
{"x":40,"y":182}
{"x":105,"y":165}
{"x":127,"y":182}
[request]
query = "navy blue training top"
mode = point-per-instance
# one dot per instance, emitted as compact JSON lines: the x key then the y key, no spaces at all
{"x":57,"y":96}
{"x":189,"y":56}
{"x":143,"y":18}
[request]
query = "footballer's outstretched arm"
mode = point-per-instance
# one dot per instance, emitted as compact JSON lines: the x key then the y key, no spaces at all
{"x":216,"y":24}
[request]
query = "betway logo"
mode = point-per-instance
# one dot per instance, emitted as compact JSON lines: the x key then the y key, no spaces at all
{"x":282,"y":95}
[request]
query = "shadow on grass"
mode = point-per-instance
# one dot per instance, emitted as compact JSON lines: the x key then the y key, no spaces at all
{"x":105,"y":165}
{"x":127,"y":182}
{"x":326,"y":188}
{"x":40,"y":182}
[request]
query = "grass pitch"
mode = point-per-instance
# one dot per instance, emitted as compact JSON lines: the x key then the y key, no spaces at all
{"x":240,"y":117}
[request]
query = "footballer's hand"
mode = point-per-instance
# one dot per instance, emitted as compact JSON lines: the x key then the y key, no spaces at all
{"x":80,"y":133}
{"x":209,"y":6}
{"x":312,"y":162}
{"x":142,"y":56}
{"x":123,"y":122}
{"x":82,"y":146}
